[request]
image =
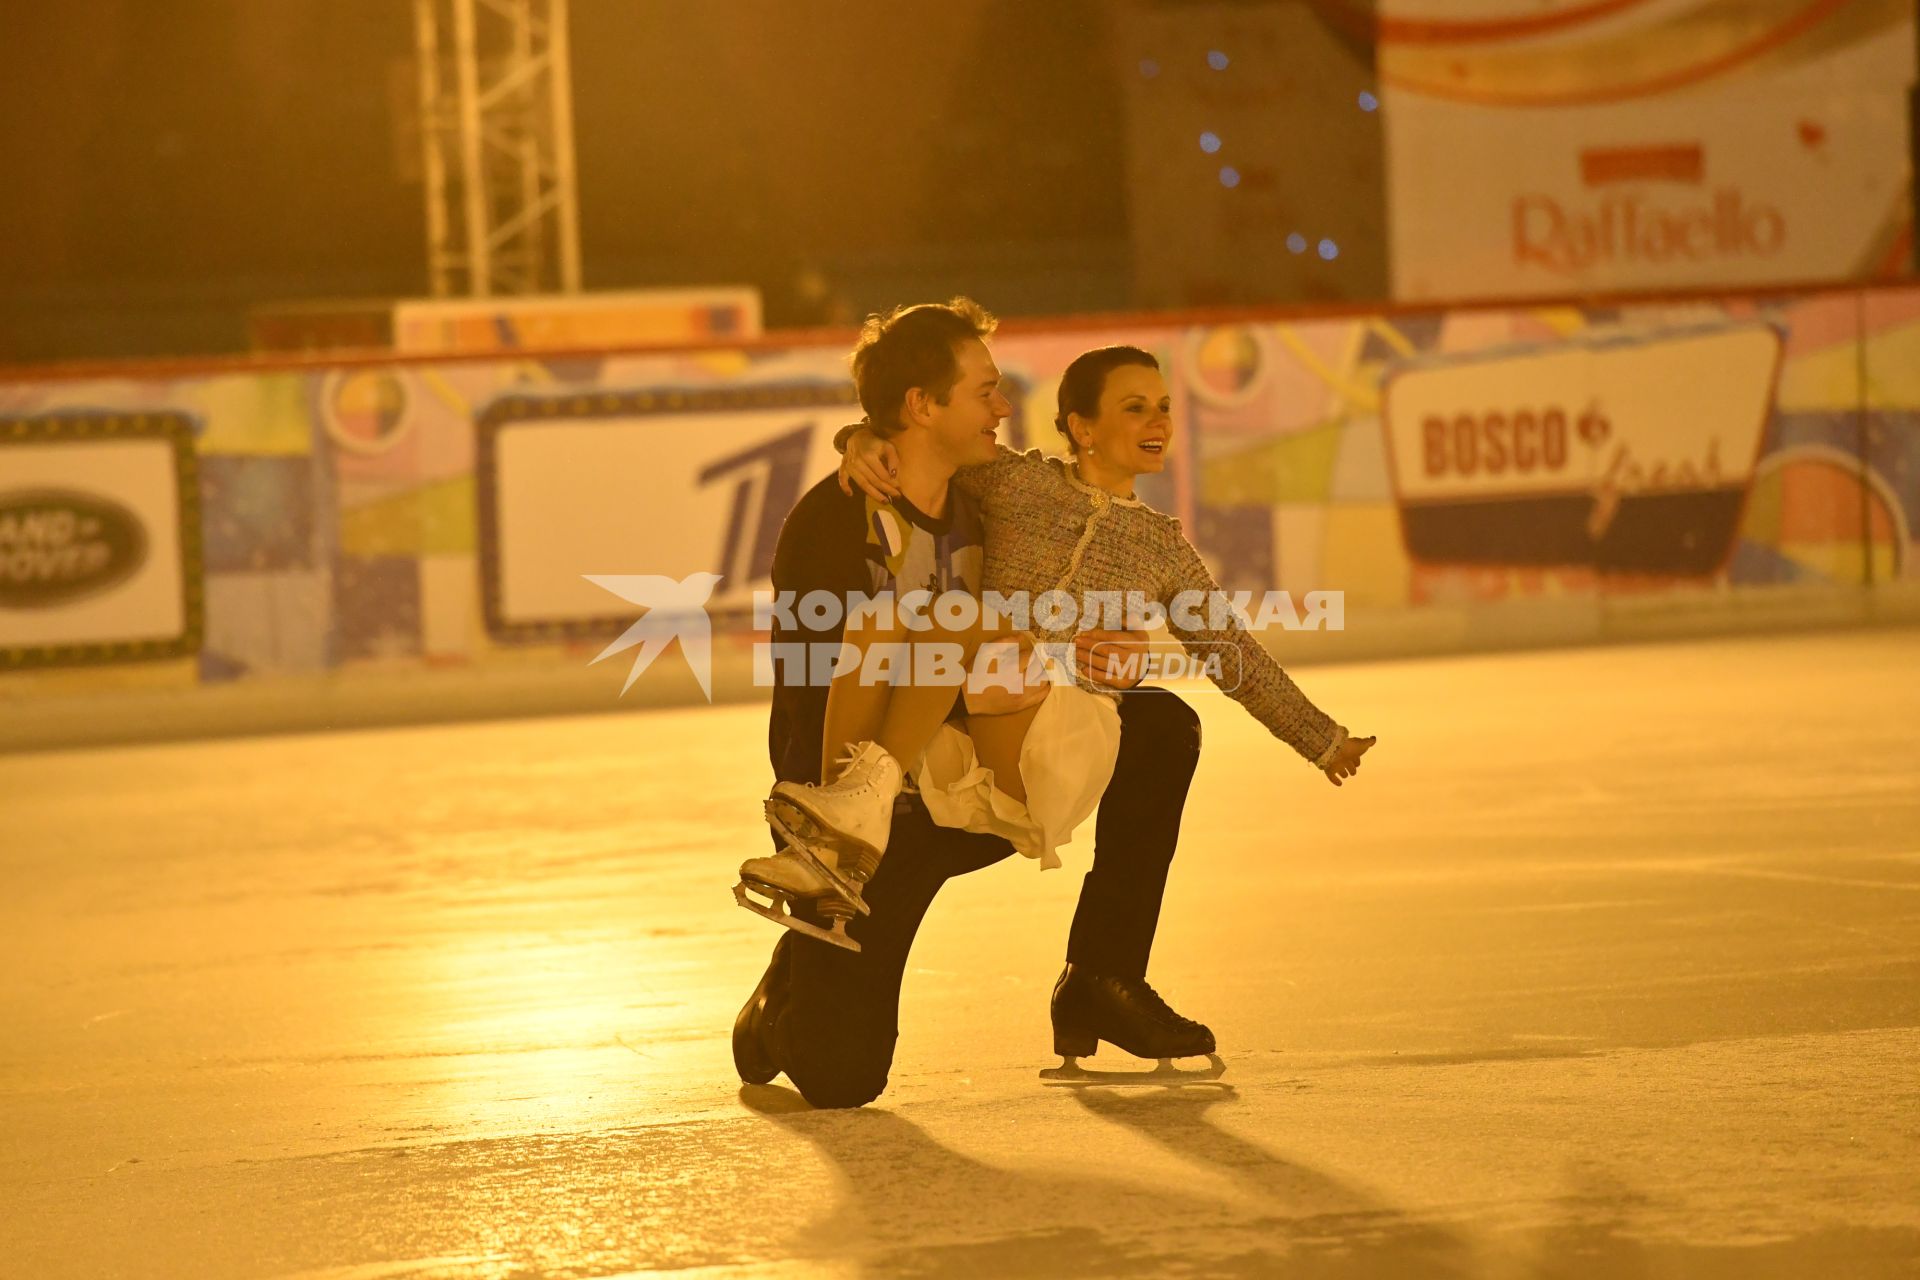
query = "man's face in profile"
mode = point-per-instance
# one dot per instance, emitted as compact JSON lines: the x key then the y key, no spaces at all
{"x":964,"y":428}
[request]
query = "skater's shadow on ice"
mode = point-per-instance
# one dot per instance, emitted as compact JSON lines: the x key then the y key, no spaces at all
{"x":772,"y":1099}
{"x":910,"y":1206}
{"x":1343,"y":1231}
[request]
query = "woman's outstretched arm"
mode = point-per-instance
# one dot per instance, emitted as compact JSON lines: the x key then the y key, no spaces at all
{"x":1235,"y":660}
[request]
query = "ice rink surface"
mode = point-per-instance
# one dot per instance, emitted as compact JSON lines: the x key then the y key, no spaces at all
{"x":1608,"y":964}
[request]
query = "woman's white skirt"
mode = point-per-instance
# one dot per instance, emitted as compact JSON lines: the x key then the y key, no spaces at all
{"x":1065,"y":762}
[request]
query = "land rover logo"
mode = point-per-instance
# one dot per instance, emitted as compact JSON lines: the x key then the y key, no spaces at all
{"x":57,"y":545}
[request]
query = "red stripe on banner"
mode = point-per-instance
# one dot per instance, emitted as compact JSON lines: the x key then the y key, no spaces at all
{"x":1366,"y":24}
{"x":1474,"y":30}
{"x":1809,"y":17}
{"x":1674,"y":162}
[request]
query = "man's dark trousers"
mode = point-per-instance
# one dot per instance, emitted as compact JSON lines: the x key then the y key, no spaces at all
{"x":835,"y":1032}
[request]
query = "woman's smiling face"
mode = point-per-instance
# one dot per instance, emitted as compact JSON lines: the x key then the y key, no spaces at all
{"x":1134,"y":428}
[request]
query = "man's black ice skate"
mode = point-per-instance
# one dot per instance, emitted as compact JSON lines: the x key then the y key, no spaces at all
{"x":1130,"y":1015}
{"x":752,"y":1057}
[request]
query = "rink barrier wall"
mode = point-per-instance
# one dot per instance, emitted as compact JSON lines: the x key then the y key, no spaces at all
{"x":353,"y":541}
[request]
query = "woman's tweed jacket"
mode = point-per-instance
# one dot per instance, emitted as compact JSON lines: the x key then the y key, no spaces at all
{"x":1049,"y":531}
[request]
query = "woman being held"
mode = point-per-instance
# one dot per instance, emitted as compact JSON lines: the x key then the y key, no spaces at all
{"x":1037,"y":768}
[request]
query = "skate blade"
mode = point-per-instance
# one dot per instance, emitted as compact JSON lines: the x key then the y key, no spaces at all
{"x":1164,"y":1075}
{"x":777,"y":912}
{"x":802,"y":834}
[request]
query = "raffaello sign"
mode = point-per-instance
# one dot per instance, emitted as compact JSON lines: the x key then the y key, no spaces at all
{"x":1571,"y":239}
{"x":1578,"y":155}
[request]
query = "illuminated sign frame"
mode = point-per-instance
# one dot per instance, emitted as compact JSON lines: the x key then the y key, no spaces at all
{"x":175,"y":430}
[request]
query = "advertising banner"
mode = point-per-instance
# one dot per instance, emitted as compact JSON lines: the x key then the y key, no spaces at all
{"x":1632,"y":454}
{"x":1667,"y":146}
{"x":683,"y":485}
{"x":381,"y":518}
{"x":99,"y":539}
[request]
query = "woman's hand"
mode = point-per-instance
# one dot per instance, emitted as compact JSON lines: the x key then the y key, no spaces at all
{"x":1005,"y":678}
{"x":871,"y":463}
{"x":1116,"y":659}
{"x":1346,"y":761}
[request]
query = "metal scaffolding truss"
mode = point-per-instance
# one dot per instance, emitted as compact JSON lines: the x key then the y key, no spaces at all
{"x":496,"y":108}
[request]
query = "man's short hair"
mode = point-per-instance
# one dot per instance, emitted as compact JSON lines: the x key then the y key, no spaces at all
{"x":913,"y":347}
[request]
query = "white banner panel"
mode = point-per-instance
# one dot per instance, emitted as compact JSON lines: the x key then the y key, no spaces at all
{"x":662,"y":483}
{"x":1566,"y":166}
{"x":1632,"y":453}
{"x":98,"y":540}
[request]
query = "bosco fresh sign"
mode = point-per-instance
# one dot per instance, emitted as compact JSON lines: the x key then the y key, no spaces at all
{"x":1629,"y":455}
{"x":58,"y":545}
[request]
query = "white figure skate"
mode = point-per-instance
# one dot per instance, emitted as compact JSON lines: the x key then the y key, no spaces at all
{"x":786,"y":878}
{"x":841,"y":829}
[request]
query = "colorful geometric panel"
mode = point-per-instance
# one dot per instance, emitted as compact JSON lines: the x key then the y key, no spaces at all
{"x":1757,"y":564}
{"x":1813,"y":508}
{"x":1363,"y":555}
{"x":1318,"y":374}
{"x":1396,"y":337}
{"x":1225,"y":364}
{"x":1259,"y":380}
{"x":1291,"y":468}
{"x":370,"y":418}
{"x":1546,"y":324}
{"x":1238,"y":542}
{"x":1468,"y":331}
{"x":1893,"y":447}
{"x":365,"y":410}
{"x":258,"y":512}
{"x":266,"y":622}
{"x":1298,"y":531}
{"x":1360,"y":471}
{"x":1815,"y":325}
{"x":445,"y":407}
{"x":1891,"y":309}
{"x":1821,"y":381}
{"x":452,"y":625}
{"x":1893,"y":367}
{"x":1837,"y":429}
{"x":376,"y":608}
{"x":437,"y":519}
{"x":263,"y":415}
